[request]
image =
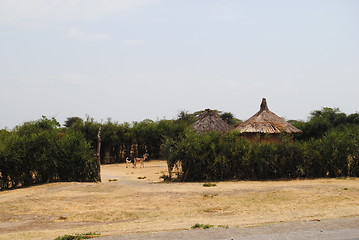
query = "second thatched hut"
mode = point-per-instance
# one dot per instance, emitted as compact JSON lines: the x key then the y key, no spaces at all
{"x":266,"y":126}
{"x":210,"y":121}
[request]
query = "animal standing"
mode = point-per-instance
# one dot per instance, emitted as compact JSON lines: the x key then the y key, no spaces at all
{"x":130,"y":161}
{"x":141,"y":160}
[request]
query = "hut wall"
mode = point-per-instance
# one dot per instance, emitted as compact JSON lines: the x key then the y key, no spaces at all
{"x":260,"y":137}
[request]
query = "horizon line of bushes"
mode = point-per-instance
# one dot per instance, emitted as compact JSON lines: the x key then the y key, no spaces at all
{"x":214,"y":156}
{"x":42,"y":151}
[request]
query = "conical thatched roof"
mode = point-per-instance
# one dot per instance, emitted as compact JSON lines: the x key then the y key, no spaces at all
{"x":266,"y":121}
{"x":210,"y":121}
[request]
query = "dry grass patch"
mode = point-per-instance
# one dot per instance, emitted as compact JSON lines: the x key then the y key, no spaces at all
{"x":139,"y":205}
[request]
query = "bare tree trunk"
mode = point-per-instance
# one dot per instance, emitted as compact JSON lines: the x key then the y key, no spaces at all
{"x":169,"y":166}
{"x":99,"y":154}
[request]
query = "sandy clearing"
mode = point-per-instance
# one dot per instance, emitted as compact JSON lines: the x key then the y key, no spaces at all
{"x":136,"y":200}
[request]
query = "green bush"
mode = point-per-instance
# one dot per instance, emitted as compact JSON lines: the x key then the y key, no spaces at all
{"x":204,"y":226}
{"x":41,"y":152}
{"x":213,"y":156}
{"x":119,"y":139}
{"x":78,"y":236}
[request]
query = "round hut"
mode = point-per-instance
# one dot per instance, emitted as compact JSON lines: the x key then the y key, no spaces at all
{"x":210,"y":121}
{"x":265,"y":126}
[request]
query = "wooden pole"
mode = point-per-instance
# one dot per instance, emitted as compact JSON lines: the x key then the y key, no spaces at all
{"x":99,"y":154}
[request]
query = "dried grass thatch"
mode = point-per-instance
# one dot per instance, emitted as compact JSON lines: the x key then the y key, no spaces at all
{"x":266,"y":122}
{"x":210,"y":121}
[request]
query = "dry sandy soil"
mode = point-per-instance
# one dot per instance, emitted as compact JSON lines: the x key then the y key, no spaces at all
{"x":136,"y":200}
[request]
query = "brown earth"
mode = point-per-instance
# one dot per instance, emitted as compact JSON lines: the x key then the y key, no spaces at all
{"x":136,"y":200}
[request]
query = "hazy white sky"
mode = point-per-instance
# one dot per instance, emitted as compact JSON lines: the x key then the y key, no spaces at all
{"x":136,"y":59}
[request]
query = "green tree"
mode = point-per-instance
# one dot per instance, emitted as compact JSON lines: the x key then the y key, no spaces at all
{"x":229,"y":118}
{"x":72,"y":120}
{"x":322,"y":121}
{"x":40,"y":152}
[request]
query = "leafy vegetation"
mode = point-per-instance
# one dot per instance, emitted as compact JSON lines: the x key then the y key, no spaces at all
{"x":78,"y":236}
{"x":322,"y":121}
{"x":328,"y":147}
{"x":213,"y":156}
{"x":122,"y":140}
{"x":40,"y":152}
{"x":135,"y":139}
{"x":204,"y":226}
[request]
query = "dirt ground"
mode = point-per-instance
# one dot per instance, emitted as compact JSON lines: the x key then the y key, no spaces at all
{"x":331,"y":229}
{"x":137,"y":201}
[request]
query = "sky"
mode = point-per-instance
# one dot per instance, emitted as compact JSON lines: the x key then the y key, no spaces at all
{"x":130,"y":60}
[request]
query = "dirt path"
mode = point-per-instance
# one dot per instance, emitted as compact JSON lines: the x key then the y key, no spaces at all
{"x":137,"y":201}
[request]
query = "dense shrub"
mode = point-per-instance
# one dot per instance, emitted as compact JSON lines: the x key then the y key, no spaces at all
{"x":40,"y":152}
{"x":214,"y":156}
{"x":122,"y":140}
{"x":324,"y":120}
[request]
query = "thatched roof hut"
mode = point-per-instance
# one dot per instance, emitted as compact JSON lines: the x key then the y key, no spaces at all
{"x":265,"y":123}
{"x":210,"y":121}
